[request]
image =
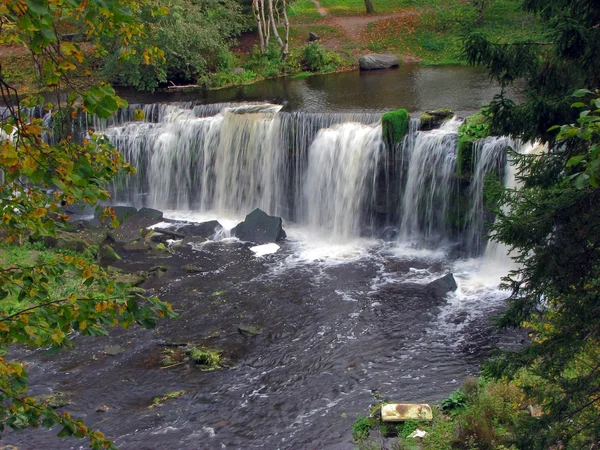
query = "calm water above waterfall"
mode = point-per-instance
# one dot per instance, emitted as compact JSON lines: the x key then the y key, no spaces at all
{"x":343,"y":305}
{"x":412,"y":86}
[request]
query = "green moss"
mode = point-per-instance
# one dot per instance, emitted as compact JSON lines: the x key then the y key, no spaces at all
{"x":395,"y":126}
{"x":474,"y":128}
{"x":206,"y":359}
{"x":426,"y":121}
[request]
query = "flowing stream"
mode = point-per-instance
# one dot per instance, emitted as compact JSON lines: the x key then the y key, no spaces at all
{"x":345,"y":315}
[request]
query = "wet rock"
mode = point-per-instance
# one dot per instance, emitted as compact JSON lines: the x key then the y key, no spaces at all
{"x":440,"y":287}
{"x":194,"y":268}
{"x":376,"y":61}
{"x":54,"y":400}
{"x":113,"y":350}
{"x":129,"y":279}
{"x":108,"y":253}
{"x":122,"y":213}
{"x":312,"y":37}
{"x":131,"y":228}
{"x":435,"y":118}
{"x":259,"y":227}
{"x":137,"y":246}
{"x":249,"y":330}
{"x":204,"y":230}
{"x":389,"y":234}
{"x":400,"y":412}
{"x":156,"y":237}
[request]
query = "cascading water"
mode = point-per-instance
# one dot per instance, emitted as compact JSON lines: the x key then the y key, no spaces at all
{"x":342,"y":164}
{"x":429,"y":185}
{"x":490,"y":155}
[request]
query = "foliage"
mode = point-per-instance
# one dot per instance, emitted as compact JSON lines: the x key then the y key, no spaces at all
{"x":395,"y":126}
{"x":455,"y":401}
{"x":159,"y":401}
{"x":565,"y":58}
{"x":39,"y":174}
{"x":553,"y":223}
{"x":194,"y":36}
{"x":361,"y":428}
{"x":317,"y":59}
{"x":207,"y":359}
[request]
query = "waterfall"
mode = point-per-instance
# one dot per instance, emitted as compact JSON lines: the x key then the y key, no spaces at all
{"x":429,"y":185}
{"x":341,"y":174}
{"x":497,"y":255}
{"x":490,"y":157}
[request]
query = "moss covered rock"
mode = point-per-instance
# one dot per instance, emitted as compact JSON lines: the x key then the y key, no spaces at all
{"x":395,"y":126}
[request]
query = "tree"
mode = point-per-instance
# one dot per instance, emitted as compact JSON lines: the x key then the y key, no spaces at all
{"x":369,"y":7}
{"x":552,"y":69}
{"x":45,"y":168}
{"x":552,"y":222}
{"x":194,"y":36}
{"x":265,"y":13}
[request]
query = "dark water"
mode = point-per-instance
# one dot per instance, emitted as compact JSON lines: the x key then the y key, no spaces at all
{"x":336,"y":331}
{"x":414,"y":87}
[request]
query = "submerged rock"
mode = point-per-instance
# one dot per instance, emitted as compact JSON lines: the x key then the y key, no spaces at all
{"x":249,"y":330}
{"x":400,"y":412}
{"x":376,"y":61}
{"x":259,"y":227}
{"x":441,"y":286}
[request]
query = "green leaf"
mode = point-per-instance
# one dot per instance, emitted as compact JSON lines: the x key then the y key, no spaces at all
{"x":581,"y":93}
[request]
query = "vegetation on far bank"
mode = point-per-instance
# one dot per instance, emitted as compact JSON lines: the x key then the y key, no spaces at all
{"x":215,"y":49}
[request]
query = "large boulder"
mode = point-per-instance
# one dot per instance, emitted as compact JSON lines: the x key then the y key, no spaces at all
{"x":205,"y":230}
{"x":376,"y":61}
{"x":259,"y":227}
{"x":122,"y":213}
{"x":64,"y":240}
{"x":440,"y":287}
{"x":130,"y":229}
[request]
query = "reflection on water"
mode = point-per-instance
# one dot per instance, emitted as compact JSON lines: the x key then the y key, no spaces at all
{"x":414,"y":87}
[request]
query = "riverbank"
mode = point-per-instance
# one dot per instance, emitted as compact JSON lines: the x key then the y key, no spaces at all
{"x":417,"y":31}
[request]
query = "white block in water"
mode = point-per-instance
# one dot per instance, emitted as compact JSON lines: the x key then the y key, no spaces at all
{"x":266,"y":249}
{"x":399,"y":412}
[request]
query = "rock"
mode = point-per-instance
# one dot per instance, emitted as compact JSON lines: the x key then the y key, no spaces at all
{"x":535,"y":411}
{"x":259,"y":227}
{"x":389,"y":234}
{"x":55,"y":400}
{"x":375,"y":61}
{"x":204,"y":230}
{"x":194,"y":268}
{"x":137,"y":246}
{"x":238,"y":71}
{"x":130,"y":229}
{"x":97,"y":234}
{"x":440,"y":287}
{"x":122,"y":213}
{"x":108,"y":253}
{"x":67,"y":241}
{"x":418,"y":434}
{"x":103,"y":408}
{"x":130,"y":279}
{"x":312,"y":37}
{"x":435,"y":118}
{"x":113,"y":350}
{"x":156,"y":237}
{"x":249,"y":330}
{"x":400,"y":412}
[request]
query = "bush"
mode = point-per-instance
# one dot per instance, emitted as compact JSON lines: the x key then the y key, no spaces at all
{"x":317,"y":59}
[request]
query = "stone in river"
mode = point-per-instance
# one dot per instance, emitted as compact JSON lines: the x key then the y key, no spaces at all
{"x":259,"y":227}
{"x":376,"y":61}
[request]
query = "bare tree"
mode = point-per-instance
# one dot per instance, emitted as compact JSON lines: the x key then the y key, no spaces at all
{"x":267,"y":16}
{"x":369,"y":6}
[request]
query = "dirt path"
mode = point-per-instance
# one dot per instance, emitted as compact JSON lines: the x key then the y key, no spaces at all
{"x":322,"y":11}
{"x":354,"y":26}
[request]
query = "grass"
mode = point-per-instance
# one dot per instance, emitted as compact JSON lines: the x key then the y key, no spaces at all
{"x":207,"y":359}
{"x":159,"y":401}
{"x":302,"y":11}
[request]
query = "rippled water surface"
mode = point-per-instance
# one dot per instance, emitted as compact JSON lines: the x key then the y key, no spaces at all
{"x":340,"y":324}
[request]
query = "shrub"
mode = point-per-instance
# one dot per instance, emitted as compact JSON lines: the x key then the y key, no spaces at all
{"x":317,"y":59}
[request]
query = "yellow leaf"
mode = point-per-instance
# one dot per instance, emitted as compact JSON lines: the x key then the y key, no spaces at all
{"x":82,"y":325}
{"x":4,"y":327}
{"x":39,"y":213}
{"x":87,"y":272}
{"x":57,"y":336}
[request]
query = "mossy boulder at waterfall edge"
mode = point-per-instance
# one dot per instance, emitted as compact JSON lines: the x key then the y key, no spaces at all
{"x":394,"y":126}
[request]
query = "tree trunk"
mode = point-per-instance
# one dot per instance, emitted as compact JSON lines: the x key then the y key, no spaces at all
{"x":259,"y":23}
{"x":369,"y":6}
{"x":285,"y":50}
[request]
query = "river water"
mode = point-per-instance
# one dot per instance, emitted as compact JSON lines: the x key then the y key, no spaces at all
{"x":345,"y":315}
